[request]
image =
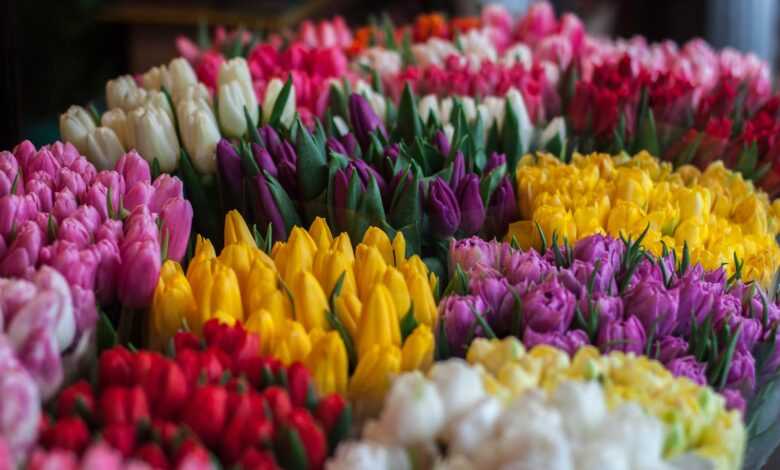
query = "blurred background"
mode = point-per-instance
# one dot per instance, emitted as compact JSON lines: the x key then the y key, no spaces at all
{"x":55,"y":53}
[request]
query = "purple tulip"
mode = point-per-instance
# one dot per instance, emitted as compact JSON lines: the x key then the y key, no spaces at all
{"x":71,"y":181}
{"x":271,"y":140}
{"x":351,"y":144}
{"x":499,"y":300}
{"x":608,"y":251}
{"x":287,"y":164}
{"x":457,"y":313}
{"x":470,"y":252}
{"x":688,"y":366}
{"x":670,"y":348}
{"x":609,"y":308}
{"x":3,"y":247}
{"x":603,"y":281}
{"x":441,"y":142}
{"x":443,"y":209}
{"x":78,"y":266}
{"x":267,"y":209}
{"x":364,"y":120}
{"x":525,"y":266}
{"x":165,"y":187}
{"x":725,"y":307}
{"x":22,"y":254}
{"x":264,"y":160}
{"x":495,"y":161}
{"x":139,"y":194}
{"x":750,"y":333}
{"x":42,"y":191}
{"x":138,"y":275}
{"x":734,"y":400}
{"x":571,"y":341}
{"x":458,"y":171}
{"x":133,"y":169}
{"x":365,"y":173}
{"x":334,"y":145}
{"x":697,"y":298}
{"x":502,"y":208}
{"x":548,"y":307}
{"x":20,"y":409}
{"x":622,"y":335}
{"x":64,"y":204}
{"x":654,"y":305}
{"x":742,"y":373}
{"x":176,"y":219}
{"x":472,"y":208}
{"x":229,"y":164}
{"x":340,"y":189}
{"x":72,"y":230}
{"x":108,"y":265}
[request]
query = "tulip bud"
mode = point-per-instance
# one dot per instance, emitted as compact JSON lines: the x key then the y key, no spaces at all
{"x":229,"y":165}
{"x":272,"y":91}
{"x":268,"y":210}
{"x":372,"y":376}
{"x":311,"y":303}
{"x":348,"y":308}
{"x":173,"y":302}
{"x":320,"y":233}
{"x":182,"y":78}
{"x":429,"y":106}
{"x":377,"y":237}
{"x":379,"y":323}
{"x":369,"y":269}
{"x":236,"y":94}
{"x":76,"y":125}
{"x":22,"y":254}
{"x":328,"y":364}
{"x":216,"y":288}
{"x":117,"y":120}
{"x":176,"y":222}
{"x":137,"y":279}
{"x":293,"y":343}
{"x":104,"y":148}
{"x":122,"y":92}
{"x":623,"y":335}
{"x":417,"y":351}
{"x":165,"y":187}
{"x":443,"y":210}
{"x":364,"y":120}
{"x":133,"y":169}
{"x":296,"y":255}
{"x":471,"y":204}
{"x":199,"y":133}
{"x":155,"y":136}
{"x":236,"y":230}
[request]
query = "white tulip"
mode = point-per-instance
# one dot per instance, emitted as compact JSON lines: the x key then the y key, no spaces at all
{"x":199,"y":133}
{"x":519,"y":53}
{"x":117,"y":120}
{"x":469,"y":108}
{"x":122,"y":92}
{"x":495,"y":108}
{"x":384,"y":61}
{"x":445,"y":108}
{"x":459,"y":384}
{"x":413,"y":412}
{"x":65,"y":322}
{"x":516,"y":101}
{"x":155,"y":136}
{"x":375,"y":100}
{"x":556,"y":127}
{"x":363,"y":455}
{"x":582,"y":407}
{"x":484,"y":114}
{"x":182,"y":76}
{"x":75,"y":126}
{"x":272,"y":91}
{"x":197,"y":91}
{"x":235,"y":93}
{"x":104,"y":148}
{"x":449,"y":132}
{"x":427,"y":106}
{"x":158,"y":100}
{"x":156,"y":78}
{"x":467,"y":433}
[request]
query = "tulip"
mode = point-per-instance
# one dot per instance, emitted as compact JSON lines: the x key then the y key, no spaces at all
{"x":570,"y":342}
{"x":654,"y":305}
{"x":328,"y":364}
{"x":199,"y":133}
{"x":417,"y":351}
{"x":36,"y":348}
{"x":140,"y":225}
{"x":370,"y":268}
{"x":429,"y":106}
{"x":348,"y":309}
{"x":172,"y":303}
{"x":140,"y":194}
{"x":268,"y":210}
{"x":137,"y":278}
{"x":42,"y":192}
{"x":176,"y":222}
{"x":122,"y":92}
{"x":155,"y":136}
{"x":76,"y":125}
{"x":21,"y":255}
{"x":165,"y":187}
{"x":379,"y":324}
{"x":229,"y":166}
{"x":20,"y":410}
{"x":117,"y":121}
{"x":688,"y":366}
{"x":235,"y":95}
{"x":75,"y":182}
{"x":623,"y":335}
{"x":133,"y":169}
{"x":372,"y":376}
{"x":459,"y":316}
{"x":549,"y":307}
{"x":364,"y":120}
{"x":396,"y":284}
{"x":236,"y":230}
{"x":443,"y":209}
{"x":216,"y":288}
{"x":471,"y":206}
{"x":104,"y":148}
{"x":310,"y":304}
{"x":293,"y":344}
{"x":328,"y":266}
{"x":272,"y":91}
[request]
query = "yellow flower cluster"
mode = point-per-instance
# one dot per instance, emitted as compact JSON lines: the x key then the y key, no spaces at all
{"x":289,"y":300}
{"x":716,"y":211}
{"x":695,"y":417}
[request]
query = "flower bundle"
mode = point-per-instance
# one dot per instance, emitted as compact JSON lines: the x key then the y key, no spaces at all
{"x":613,"y":294}
{"x":353,"y":317}
{"x":523,"y":409}
{"x":217,"y":397}
{"x":719,"y":216}
{"x":106,"y":231}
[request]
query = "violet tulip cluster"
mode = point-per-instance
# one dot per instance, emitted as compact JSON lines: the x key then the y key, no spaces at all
{"x":40,"y":344}
{"x":613,"y":294}
{"x":106,"y":232}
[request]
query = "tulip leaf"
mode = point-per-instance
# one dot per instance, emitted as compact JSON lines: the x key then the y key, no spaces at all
{"x":459,"y":283}
{"x":51,"y":228}
{"x":312,"y":166}
{"x":407,"y":57}
{"x":647,"y":137}
{"x":337,"y":101}
{"x":370,"y":208}
{"x":279,"y":104}
{"x":205,"y":217}
{"x":409,"y":124}
{"x":389,"y":30}
{"x":476,"y":145}
{"x":408,"y":323}
{"x":237,"y":45}
{"x":283,"y":202}
{"x":405,"y":209}
{"x":490,"y":182}
{"x":442,"y":342}
{"x":493,"y":138}
{"x":686,"y":156}
{"x":510,"y":137}
{"x":293,"y":451}
{"x":106,"y":334}
{"x":248,"y":161}
{"x":341,"y":429}
{"x":251,"y":130}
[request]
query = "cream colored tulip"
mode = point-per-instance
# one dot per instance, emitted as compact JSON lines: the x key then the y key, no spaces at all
{"x":199,"y":133}
{"x":155,"y":136}
{"x":76,"y":124}
{"x":122,"y":92}
{"x":118,"y":121}
{"x":104,"y":148}
{"x":235,"y":93}
{"x":272,"y":91}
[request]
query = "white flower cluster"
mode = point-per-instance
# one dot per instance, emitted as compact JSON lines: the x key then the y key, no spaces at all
{"x":567,"y":429}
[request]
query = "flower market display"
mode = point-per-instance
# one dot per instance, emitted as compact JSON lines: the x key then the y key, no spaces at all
{"x":470,"y":242}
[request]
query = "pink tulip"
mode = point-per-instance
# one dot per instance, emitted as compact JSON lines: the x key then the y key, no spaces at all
{"x":44,"y":161}
{"x":3,"y":247}
{"x":140,"y":225}
{"x":35,"y":346}
{"x":65,"y":153}
{"x":137,"y":278}
{"x":9,"y":168}
{"x":88,"y":216}
{"x":43,"y":193}
{"x":107,"y":252}
{"x":84,"y":168}
{"x":53,"y":459}
{"x":50,"y":280}
{"x":14,"y":294}
{"x":84,"y":308}
{"x":113,"y":180}
{"x":103,"y":456}
{"x":24,"y":152}
{"x":72,"y":230}
{"x":176,"y":218}
{"x":111,"y":230}
{"x":165,"y":187}
{"x":15,"y":211}
{"x":139,"y":194}
{"x":22,"y":255}
{"x":78,"y":266}
{"x":64,"y":204}
{"x":72,"y":181}
{"x":133,"y":169}
{"x":20,"y":408}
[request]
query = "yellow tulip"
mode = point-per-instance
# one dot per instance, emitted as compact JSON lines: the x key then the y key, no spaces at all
{"x":215,"y":287}
{"x":626,"y":218}
{"x":204,"y":250}
{"x":372,"y":376}
{"x":239,"y":258}
{"x":328,"y":266}
{"x":261,"y":322}
{"x":694,"y":231}
{"x":378,"y":322}
{"x":320,"y":233}
{"x":556,"y":220}
{"x":224,"y":318}
{"x":369,"y":269}
{"x":343,"y":244}
{"x":417,"y":351}
{"x":296,"y":255}
{"x":261,"y":282}
{"x":396,"y":284}
{"x":752,"y":215}
{"x":425,"y":310}
{"x":310,"y":302}
{"x":328,"y":364}
{"x":348,"y":308}
{"x":236,"y":230}
{"x":633,"y":185}
{"x":292,"y":343}
{"x":172,"y":304}
{"x":693,"y":202}
{"x":399,"y":248}
{"x":524,"y":233}
{"x":377,"y":238}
